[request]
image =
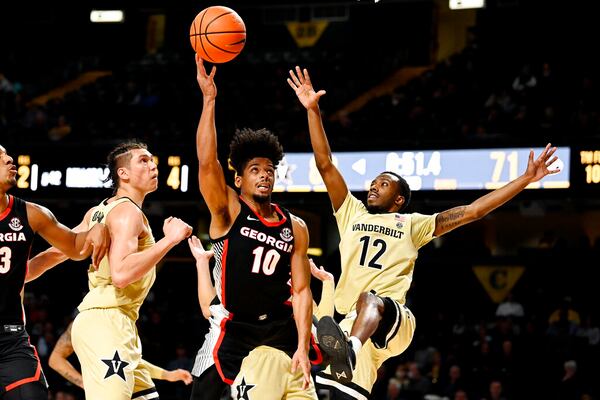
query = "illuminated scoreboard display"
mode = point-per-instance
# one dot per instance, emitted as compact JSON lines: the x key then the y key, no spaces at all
{"x":478,"y":169}
{"x":39,"y":175}
{"x":590,"y":161}
{"x":423,"y":170}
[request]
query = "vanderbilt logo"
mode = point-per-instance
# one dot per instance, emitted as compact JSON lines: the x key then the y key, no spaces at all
{"x":242,"y":390}
{"x":115,"y":366}
{"x":98,"y":216}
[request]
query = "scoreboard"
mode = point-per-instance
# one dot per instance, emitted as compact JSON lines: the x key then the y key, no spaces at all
{"x":45,"y":174}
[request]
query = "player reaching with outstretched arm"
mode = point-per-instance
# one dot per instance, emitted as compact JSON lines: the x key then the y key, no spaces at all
{"x":378,"y":246}
{"x":257,"y":246}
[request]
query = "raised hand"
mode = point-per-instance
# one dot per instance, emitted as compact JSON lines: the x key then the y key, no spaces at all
{"x":319,"y":273}
{"x":198,"y":250}
{"x":300,"y":82}
{"x":538,"y":168}
{"x":206,"y":81}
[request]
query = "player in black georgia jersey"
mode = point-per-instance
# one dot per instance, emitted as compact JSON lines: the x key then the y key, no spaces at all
{"x":21,"y":376}
{"x":257,"y":246}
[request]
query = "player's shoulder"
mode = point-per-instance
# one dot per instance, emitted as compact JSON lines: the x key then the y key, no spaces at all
{"x":297,"y":221}
{"x":125,"y":210}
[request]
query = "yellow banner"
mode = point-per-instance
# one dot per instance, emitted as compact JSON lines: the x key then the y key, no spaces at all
{"x":306,"y":34}
{"x":155,"y":33}
{"x":498,"y":280}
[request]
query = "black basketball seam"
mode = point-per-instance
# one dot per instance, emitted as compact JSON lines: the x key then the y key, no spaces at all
{"x":214,"y":33}
{"x":214,"y":45}
{"x":195,"y":35}
{"x":201,"y":41}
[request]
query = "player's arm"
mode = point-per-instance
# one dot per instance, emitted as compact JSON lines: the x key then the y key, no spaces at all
{"x":126,"y":224}
{"x":334,"y":181}
{"x":325,"y":307}
{"x":459,"y":216}
{"x":301,"y":296}
{"x":211,"y":178}
{"x":51,"y":257}
{"x":157,"y":372}
{"x":58,"y":358}
{"x":77,"y":246}
{"x":206,"y":290}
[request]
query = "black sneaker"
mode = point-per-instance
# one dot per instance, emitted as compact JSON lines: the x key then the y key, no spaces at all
{"x":334,"y":343}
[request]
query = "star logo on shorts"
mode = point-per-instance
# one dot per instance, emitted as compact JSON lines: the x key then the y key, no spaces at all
{"x":242,"y":390}
{"x":115,"y":366}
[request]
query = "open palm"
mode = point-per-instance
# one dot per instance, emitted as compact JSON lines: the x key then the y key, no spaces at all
{"x":300,"y":82}
{"x":538,"y":168}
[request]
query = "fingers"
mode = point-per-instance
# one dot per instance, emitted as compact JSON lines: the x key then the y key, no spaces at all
{"x":86,"y":246}
{"x":321,"y":93}
{"x":295,"y":79}
{"x":549,"y":163}
{"x":200,"y":65}
{"x":306,"y":371}
{"x":305,"y":75}
{"x":213,"y":72}
{"x":294,"y":364}
{"x":530,"y":161}
{"x":289,"y":81}
{"x":299,"y":74}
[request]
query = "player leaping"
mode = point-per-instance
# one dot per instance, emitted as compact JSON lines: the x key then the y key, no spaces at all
{"x":378,"y":249}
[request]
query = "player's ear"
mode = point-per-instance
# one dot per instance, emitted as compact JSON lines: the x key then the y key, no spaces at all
{"x":237,"y":181}
{"x":122,"y":173}
{"x":399,"y":201}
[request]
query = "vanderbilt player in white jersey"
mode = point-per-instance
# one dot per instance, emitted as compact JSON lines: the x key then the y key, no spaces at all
{"x":378,"y":247}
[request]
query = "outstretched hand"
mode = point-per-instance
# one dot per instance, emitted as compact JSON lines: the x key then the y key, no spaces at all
{"x":319,"y":272}
{"x":300,"y":82}
{"x":538,"y":168}
{"x":178,"y":375}
{"x":198,"y":250}
{"x":206,"y":81}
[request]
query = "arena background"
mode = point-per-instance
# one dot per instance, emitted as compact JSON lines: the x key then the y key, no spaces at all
{"x":401,"y":76}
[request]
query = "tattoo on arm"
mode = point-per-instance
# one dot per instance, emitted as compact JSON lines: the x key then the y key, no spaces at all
{"x":450,"y":219}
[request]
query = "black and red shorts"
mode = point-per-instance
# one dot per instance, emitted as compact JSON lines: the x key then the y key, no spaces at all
{"x":19,"y":362}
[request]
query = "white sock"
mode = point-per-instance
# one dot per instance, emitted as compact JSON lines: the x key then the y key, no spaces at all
{"x":356,"y":344}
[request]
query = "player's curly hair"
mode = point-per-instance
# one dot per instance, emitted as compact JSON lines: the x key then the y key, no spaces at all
{"x":248,"y":144}
{"x":403,"y":188}
{"x":118,"y":157}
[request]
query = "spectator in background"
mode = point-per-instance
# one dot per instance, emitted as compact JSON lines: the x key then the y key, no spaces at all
{"x":454,"y":383}
{"x":564,"y":321}
{"x":393,"y":391}
{"x":60,"y":130}
{"x":570,"y":386}
{"x":589,"y":331}
{"x":460,"y":395}
{"x":495,"y":392}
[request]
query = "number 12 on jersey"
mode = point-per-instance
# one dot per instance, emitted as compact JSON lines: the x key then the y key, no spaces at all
{"x":381,"y":247}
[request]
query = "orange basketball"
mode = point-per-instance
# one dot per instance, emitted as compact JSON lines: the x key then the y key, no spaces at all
{"x":218,"y":34}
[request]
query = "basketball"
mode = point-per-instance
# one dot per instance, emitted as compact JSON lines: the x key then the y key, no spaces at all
{"x":218,"y":34}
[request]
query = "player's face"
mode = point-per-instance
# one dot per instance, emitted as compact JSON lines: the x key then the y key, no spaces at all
{"x":258,"y":179}
{"x":141,"y":171}
{"x":383,"y":196}
{"x":8,"y":171}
